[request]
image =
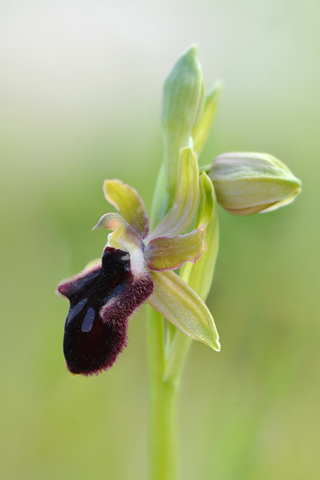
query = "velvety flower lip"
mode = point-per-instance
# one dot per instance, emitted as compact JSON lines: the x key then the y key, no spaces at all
{"x":101,"y":301}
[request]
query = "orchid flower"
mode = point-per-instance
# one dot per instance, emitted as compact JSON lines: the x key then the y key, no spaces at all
{"x":137,"y":266}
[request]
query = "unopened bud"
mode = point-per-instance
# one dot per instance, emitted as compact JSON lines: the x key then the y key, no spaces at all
{"x":247,"y":183}
{"x":183,"y":100}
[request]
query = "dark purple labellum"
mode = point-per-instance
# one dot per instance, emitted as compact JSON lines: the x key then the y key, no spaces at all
{"x":101,"y":301}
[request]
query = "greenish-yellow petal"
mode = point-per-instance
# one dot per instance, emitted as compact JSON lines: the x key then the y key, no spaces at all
{"x":169,"y":253}
{"x":130,"y":205}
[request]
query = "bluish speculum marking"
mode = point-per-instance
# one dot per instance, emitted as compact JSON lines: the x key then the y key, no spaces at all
{"x":88,"y":320}
{"x":73,"y":312}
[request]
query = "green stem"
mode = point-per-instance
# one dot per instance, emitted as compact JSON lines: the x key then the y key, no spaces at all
{"x":180,"y":347}
{"x":162,"y":405}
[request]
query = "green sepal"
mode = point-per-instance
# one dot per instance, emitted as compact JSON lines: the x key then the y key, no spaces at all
{"x":201,"y":130}
{"x":199,"y":276}
{"x":170,"y":253}
{"x":128,"y":203}
{"x":183,"y":100}
{"x":186,"y":198}
{"x":181,"y":306}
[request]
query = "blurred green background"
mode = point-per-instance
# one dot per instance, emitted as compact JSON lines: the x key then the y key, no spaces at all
{"x":80,"y":93}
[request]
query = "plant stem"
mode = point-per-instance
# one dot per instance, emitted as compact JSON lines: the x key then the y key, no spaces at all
{"x":176,"y":359}
{"x":162,"y":405}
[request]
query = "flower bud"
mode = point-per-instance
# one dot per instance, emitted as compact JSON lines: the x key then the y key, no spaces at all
{"x":247,"y":183}
{"x":183,"y":100}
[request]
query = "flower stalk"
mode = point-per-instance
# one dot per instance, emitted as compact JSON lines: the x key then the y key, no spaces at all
{"x":163,"y":458}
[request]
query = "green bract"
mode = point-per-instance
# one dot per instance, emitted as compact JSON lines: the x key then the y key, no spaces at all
{"x":201,"y":130}
{"x":185,"y":198}
{"x":247,"y":183}
{"x":199,"y":275}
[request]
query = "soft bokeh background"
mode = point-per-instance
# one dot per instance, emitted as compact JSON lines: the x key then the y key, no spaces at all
{"x":80,"y":93}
